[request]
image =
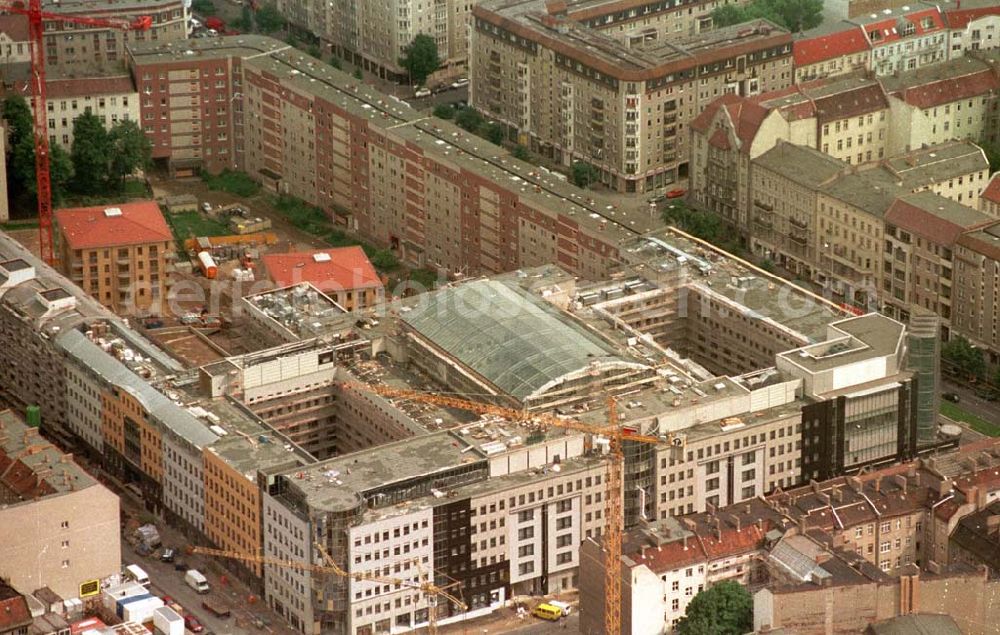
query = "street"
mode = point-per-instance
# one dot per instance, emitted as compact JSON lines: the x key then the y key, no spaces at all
{"x":968,"y":401}
{"x":506,"y":621}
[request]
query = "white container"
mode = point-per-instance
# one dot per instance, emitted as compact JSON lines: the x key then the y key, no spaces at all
{"x":166,"y":621}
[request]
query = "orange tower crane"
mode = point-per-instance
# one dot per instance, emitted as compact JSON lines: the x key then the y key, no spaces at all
{"x":36,"y":27}
{"x":428,"y":587}
{"x":615,"y":433}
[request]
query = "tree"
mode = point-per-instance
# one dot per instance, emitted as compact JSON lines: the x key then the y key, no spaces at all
{"x":269,"y":20}
{"x":520,"y":152}
{"x":584,"y":174}
{"x":315,"y":51}
{"x":495,"y":133}
{"x":23,"y":167}
{"x":420,"y":58}
{"x":384,"y":260}
{"x":723,"y":609}
{"x":204,"y":7}
{"x":90,"y":154}
{"x":335,"y":62}
{"x":358,"y":75}
{"x":794,"y":15}
{"x":992,"y":151}
{"x":130,"y":151}
{"x":469,"y":119}
{"x":18,"y":117}
{"x":444,"y":111}
{"x":704,"y":225}
{"x":965,"y":357}
{"x":245,"y":21}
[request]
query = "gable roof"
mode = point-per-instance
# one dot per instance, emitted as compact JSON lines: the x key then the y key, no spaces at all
{"x":745,"y":118}
{"x":934,"y":217}
{"x":950,"y":89}
{"x":827,"y":46}
{"x":992,"y":190}
{"x":704,"y":119}
{"x":346,"y":268}
{"x":92,"y":227}
{"x":15,"y":26}
{"x":89,"y":86}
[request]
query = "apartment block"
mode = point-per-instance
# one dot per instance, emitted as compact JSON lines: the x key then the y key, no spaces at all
{"x":374,"y":34}
{"x":14,"y":41}
{"x":60,"y":525}
{"x":829,"y":51}
{"x":344,"y":273}
{"x":111,"y":99}
{"x":976,"y":278}
{"x":892,"y":526}
{"x":580,"y":82}
{"x":122,"y":256}
{"x":956,"y":99}
{"x":76,"y":48}
{"x":973,"y":25}
{"x":459,"y":209}
{"x":989,"y":198}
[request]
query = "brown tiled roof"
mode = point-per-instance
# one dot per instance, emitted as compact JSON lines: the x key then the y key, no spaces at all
{"x":89,"y":86}
{"x":951,"y":89}
{"x":705,"y":118}
{"x":670,"y":556}
{"x":720,"y":140}
{"x":733,"y":542}
{"x":851,"y":103}
{"x":943,"y":228}
{"x":14,"y":611}
{"x":15,"y":26}
{"x":992,"y":190}
{"x":960,"y":18}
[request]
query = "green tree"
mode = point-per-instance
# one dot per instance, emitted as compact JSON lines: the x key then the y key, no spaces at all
{"x":520,"y":152}
{"x":17,"y":115}
{"x":315,"y":51}
{"x":130,"y":150}
{"x":494,"y":132}
{"x":60,"y":168}
{"x":794,"y":15}
{"x":384,"y":260}
{"x":723,"y":609}
{"x":704,"y":225}
{"x":358,"y":75}
{"x":204,"y":7}
{"x":584,"y":174}
{"x":444,"y":111}
{"x":245,"y":21}
{"x":992,"y":151}
{"x":420,"y":58}
{"x":335,"y":62}
{"x":469,"y":119}
{"x":269,"y":20}
{"x":964,"y":356}
{"x":90,"y":154}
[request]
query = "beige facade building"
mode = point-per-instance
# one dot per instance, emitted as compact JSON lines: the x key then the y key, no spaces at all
{"x":977,"y":289}
{"x":111,"y":99}
{"x":601,"y":85}
{"x":122,"y":256}
{"x":60,"y":526}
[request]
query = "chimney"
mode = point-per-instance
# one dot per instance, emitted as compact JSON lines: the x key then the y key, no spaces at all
{"x":901,"y":482}
{"x":718,"y":534}
{"x":802,"y":524}
{"x":760,"y":524}
{"x":822,"y":557}
{"x":736,"y":523}
{"x":837,"y":495}
{"x":944,"y":487}
{"x":878,"y":485}
{"x":684,"y":538}
{"x":814,"y":485}
{"x":688,"y":523}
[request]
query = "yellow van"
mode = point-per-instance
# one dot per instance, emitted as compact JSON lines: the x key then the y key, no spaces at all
{"x":547,"y":612}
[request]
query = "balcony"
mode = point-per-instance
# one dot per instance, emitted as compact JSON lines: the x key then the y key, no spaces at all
{"x":763,"y":222}
{"x":802,"y":240}
{"x":764,"y":207}
{"x":797,"y":222}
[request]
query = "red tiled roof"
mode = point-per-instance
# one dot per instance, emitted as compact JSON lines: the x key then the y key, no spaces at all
{"x":960,"y":18}
{"x":992,"y":190}
{"x":347,"y":268}
{"x":91,"y":227}
{"x":747,"y":116}
{"x":950,"y":89}
{"x":889,"y":27}
{"x":704,"y":120}
{"x":720,"y":139}
{"x":733,"y":542}
{"x":14,"y":611}
{"x":829,"y":46}
{"x":15,"y":26}
{"x":86,"y":87}
{"x":923,"y":223}
{"x":670,"y":556}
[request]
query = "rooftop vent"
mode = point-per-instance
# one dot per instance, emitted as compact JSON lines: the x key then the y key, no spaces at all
{"x":321,"y":257}
{"x":112,"y":211}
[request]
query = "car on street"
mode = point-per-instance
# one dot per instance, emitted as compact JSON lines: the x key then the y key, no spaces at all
{"x":421,"y":92}
{"x":193,"y":624}
{"x":678,"y":193}
{"x":950,"y":396}
{"x":458,"y":83}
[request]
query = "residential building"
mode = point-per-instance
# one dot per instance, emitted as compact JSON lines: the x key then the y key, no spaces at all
{"x":504,"y":222}
{"x":15,"y":616}
{"x":94,"y":50}
{"x":579,"y":82}
{"x":973,"y":25}
{"x":14,"y":42}
{"x":956,"y":99}
{"x":989,"y":198}
{"x":905,"y":38}
{"x":830,"y":51}
{"x":975,"y":538}
{"x":344,"y":273}
{"x":374,"y":35}
{"x":60,"y":525}
{"x":111,"y":99}
{"x":123,"y":256}
{"x":976,"y":280}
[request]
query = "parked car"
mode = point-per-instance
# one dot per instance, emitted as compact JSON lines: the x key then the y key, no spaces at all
{"x":421,"y":92}
{"x":678,"y":193}
{"x":193,"y":624}
{"x":168,"y":555}
{"x":950,"y":396}
{"x":458,"y":83}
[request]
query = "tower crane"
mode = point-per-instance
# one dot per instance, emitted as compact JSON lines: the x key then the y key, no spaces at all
{"x":36,"y":21}
{"x":428,"y":588}
{"x":615,"y":433}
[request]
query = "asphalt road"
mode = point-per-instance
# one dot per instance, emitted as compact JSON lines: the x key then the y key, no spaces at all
{"x":450,"y":96}
{"x":968,"y":401}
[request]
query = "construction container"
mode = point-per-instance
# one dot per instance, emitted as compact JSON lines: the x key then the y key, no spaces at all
{"x":207,"y":264}
{"x":34,"y":416}
{"x":139,"y":609}
{"x":166,"y":621}
{"x":244,"y":226}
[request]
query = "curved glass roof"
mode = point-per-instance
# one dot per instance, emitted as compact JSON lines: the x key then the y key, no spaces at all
{"x":515,"y":340}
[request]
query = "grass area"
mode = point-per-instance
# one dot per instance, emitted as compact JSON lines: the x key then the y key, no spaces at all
{"x":955,"y":412}
{"x":193,"y":225}
{"x":424,"y":277}
{"x":236,"y":183}
{"x":14,"y":225}
{"x":130,"y":190}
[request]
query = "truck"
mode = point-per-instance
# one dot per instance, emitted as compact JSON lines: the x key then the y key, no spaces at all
{"x":215,"y":607}
{"x":207,"y":264}
{"x":194,"y":579}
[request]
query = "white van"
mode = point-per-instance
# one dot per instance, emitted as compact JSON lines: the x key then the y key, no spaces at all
{"x":135,"y":573}
{"x":197,"y":581}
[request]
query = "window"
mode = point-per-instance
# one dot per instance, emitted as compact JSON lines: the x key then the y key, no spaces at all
{"x":525,"y":516}
{"x":65,"y":564}
{"x":675,"y":604}
{"x":526,"y":533}
{"x":859,"y":531}
{"x":525,"y":550}
{"x":64,"y":524}
{"x":886,"y":526}
{"x":884,"y":547}
{"x":675,"y":586}
{"x":712,"y":484}
{"x":526,"y":567}
{"x":564,"y":558}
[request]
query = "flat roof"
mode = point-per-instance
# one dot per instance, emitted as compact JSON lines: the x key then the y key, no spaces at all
{"x":801,"y":164}
{"x":852,"y":340}
{"x":300,"y":310}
